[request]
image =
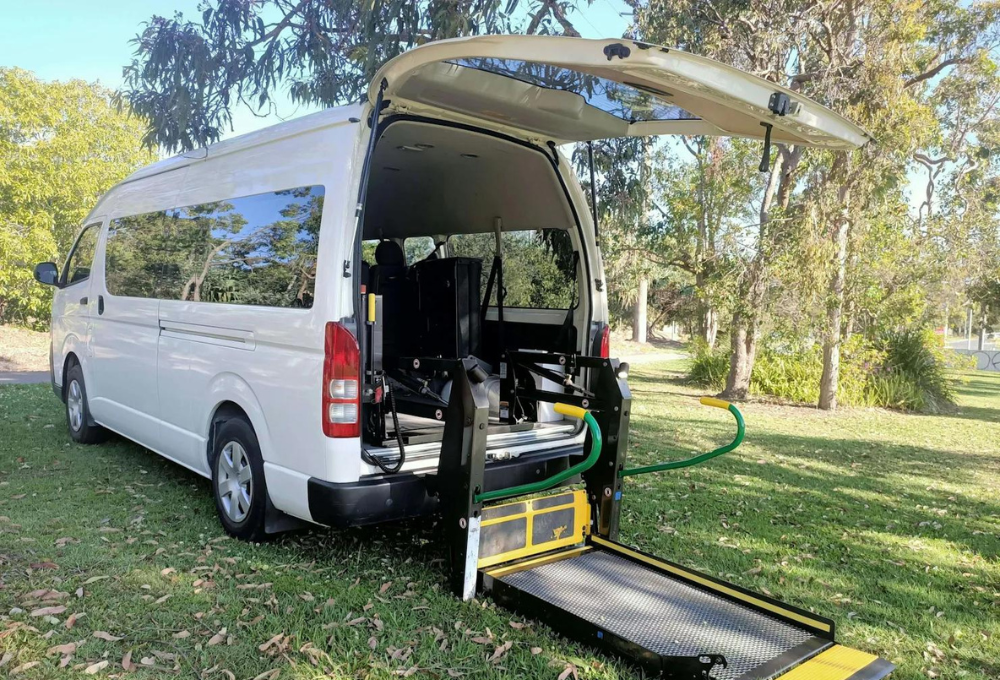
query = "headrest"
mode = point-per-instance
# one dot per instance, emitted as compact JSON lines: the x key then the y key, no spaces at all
{"x":389,"y":253}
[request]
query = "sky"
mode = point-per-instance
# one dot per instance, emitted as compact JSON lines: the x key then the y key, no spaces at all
{"x":89,"y":40}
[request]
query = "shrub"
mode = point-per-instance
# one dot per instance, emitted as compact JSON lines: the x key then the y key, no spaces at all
{"x":902,"y":370}
{"x":917,"y":358}
{"x":709,"y":367}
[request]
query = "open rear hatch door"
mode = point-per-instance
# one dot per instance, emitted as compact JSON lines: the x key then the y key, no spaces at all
{"x":574,"y":89}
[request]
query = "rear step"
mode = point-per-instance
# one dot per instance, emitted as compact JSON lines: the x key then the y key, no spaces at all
{"x":673,"y":622}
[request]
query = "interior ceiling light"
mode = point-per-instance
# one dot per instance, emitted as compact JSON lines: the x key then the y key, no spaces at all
{"x":390,"y":168}
{"x":424,"y":146}
{"x":470,"y":155}
{"x":410,"y":147}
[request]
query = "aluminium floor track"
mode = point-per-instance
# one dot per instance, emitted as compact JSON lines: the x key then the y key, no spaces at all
{"x":660,"y":613}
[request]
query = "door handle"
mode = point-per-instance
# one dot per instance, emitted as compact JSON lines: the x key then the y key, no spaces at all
{"x":100,"y":304}
{"x":84,"y":300}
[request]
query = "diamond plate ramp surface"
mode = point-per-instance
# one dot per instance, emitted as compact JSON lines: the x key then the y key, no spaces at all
{"x":660,"y":613}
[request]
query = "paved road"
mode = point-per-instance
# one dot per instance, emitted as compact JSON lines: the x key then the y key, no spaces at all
{"x":23,"y":377}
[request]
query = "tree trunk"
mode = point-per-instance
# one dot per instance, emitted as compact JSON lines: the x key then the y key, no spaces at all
{"x":746,"y":318}
{"x":710,"y":326}
{"x":834,"y":313}
{"x":639,"y":312}
{"x":982,"y":330}
{"x":744,"y":352}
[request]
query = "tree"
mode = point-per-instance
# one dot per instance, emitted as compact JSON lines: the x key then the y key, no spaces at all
{"x":61,"y":146}
{"x":187,"y":76}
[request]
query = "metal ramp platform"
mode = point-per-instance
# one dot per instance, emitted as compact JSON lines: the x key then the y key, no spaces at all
{"x":659,"y":615}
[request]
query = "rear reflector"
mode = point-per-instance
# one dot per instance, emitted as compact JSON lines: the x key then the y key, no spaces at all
{"x":605,"y":349}
{"x":341,"y":375}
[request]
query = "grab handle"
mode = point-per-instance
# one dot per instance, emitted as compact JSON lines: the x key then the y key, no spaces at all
{"x":582,"y":466}
{"x":740,"y":432}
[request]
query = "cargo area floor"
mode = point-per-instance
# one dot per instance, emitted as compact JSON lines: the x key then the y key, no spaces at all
{"x":667,"y":616}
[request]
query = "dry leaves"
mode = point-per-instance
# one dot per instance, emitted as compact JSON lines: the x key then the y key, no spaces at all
{"x":48,"y":611}
{"x":102,"y":635}
{"x":95,"y":668}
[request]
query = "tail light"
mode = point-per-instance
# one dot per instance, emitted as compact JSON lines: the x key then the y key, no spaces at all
{"x":605,"y":342}
{"x":341,"y":388}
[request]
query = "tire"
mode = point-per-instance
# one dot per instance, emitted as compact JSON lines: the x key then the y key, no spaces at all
{"x":238,"y":480}
{"x":78,"y":419}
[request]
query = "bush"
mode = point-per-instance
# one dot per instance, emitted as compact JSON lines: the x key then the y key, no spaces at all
{"x":918,"y":359}
{"x":709,"y":367}
{"x":903,"y":370}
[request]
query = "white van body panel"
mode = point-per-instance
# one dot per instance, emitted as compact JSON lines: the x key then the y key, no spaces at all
{"x":159,"y":370}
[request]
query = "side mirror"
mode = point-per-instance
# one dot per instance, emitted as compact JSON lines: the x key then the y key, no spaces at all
{"x":47,"y":273}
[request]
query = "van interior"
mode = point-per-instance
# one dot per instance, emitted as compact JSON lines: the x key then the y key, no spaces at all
{"x":440,"y":200}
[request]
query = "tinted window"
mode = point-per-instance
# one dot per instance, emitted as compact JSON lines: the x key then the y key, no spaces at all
{"x":417,"y":248}
{"x":631,"y":102}
{"x":538,"y":266}
{"x":81,"y":259}
{"x":254,"y":250}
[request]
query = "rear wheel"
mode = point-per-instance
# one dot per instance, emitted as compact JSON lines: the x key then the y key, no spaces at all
{"x":78,"y":417}
{"x":238,"y":480}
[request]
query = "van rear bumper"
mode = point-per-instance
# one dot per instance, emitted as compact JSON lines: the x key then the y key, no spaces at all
{"x":385,"y":498}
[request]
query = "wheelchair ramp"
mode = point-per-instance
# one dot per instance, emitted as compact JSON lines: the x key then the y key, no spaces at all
{"x":671,"y":625}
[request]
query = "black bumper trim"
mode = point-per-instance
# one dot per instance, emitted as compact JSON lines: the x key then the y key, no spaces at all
{"x":385,"y":498}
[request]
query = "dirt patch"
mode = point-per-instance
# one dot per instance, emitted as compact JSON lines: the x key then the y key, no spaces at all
{"x":23,"y":350}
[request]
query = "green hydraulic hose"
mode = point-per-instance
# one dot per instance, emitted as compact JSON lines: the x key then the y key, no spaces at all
{"x":543,"y":484}
{"x":740,"y":432}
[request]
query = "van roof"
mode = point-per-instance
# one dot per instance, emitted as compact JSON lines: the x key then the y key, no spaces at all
{"x":266,"y":135}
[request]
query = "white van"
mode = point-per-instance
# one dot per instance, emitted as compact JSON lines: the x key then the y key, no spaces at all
{"x":256,"y":310}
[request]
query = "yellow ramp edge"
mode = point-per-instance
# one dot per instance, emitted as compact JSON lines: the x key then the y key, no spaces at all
{"x":836,"y":663}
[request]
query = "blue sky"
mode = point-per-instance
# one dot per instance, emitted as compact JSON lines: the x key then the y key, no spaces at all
{"x":89,"y":40}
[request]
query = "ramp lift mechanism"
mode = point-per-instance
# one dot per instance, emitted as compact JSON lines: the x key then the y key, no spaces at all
{"x":557,"y":557}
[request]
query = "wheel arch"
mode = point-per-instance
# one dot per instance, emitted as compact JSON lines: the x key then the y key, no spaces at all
{"x":231,"y":397}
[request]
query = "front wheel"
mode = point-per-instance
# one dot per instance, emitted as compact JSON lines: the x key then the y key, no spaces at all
{"x":238,"y":480}
{"x":78,"y":417}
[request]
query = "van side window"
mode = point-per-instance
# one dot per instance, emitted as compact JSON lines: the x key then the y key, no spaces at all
{"x":538,"y":266}
{"x":253,"y":250}
{"x":418,"y":248}
{"x":81,"y":258}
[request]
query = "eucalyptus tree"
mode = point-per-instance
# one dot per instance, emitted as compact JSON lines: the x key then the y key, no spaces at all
{"x":187,"y":75}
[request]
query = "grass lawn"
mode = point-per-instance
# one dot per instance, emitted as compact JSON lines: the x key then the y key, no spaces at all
{"x":889,"y":523}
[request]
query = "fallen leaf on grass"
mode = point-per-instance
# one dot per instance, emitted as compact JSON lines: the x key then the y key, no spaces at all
{"x":268,"y":675}
{"x":5,"y":659}
{"x":218,"y":638}
{"x":67,"y":648}
{"x":167,"y":572}
{"x":276,"y":645}
{"x":44,"y":565}
{"x":372,"y":643}
{"x":95,"y":668}
{"x":536,"y":650}
{"x":23,"y":667}
{"x":48,"y":611}
{"x":385,"y":587}
{"x":102,"y":635}
{"x":73,"y":618}
{"x":568,"y":671}
{"x":181,"y":635}
{"x":127,"y":664}
{"x":499,"y":652}
{"x":94,"y":579}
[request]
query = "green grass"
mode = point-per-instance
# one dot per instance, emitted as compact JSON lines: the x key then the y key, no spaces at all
{"x":886,"y":522}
